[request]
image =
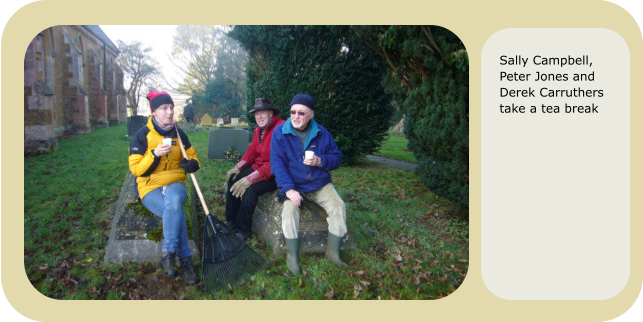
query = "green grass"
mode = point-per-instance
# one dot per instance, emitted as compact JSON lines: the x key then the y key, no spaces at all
{"x":395,"y":147}
{"x":408,"y":244}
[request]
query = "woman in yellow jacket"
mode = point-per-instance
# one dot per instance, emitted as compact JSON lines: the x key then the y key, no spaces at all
{"x":161,"y":170}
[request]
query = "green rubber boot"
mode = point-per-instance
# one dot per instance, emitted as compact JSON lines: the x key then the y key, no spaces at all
{"x":332,"y":250}
{"x":292,"y":259}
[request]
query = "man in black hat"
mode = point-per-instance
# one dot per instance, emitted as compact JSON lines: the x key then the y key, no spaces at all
{"x":251,"y":176}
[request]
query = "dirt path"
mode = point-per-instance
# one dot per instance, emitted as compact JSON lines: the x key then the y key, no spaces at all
{"x":393,"y":163}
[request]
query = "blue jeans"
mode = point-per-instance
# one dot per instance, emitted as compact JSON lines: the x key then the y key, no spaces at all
{"x":167,"y":203}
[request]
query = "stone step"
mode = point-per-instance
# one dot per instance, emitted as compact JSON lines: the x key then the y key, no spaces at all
{"x":130,"y":238}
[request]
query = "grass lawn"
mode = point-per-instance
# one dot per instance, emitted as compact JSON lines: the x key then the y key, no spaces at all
{"x":395,"y":147}
{"x":408,"y":245}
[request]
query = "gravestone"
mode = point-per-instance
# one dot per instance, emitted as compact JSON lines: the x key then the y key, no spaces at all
{"x":132,"y":225}
{"x":222,"y":139}
{"x":206,"y":120}
{"x":234,"y":121}
{"x":313,"y":227}
{"x":134,"y":123}
{"x":219,"y":122}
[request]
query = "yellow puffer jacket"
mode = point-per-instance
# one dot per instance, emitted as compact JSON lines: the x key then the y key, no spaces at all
{"x":154,"y":172}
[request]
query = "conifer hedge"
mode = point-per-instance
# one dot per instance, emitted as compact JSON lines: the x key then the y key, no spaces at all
{"x":429,"y":78}
{"x":328,"y":62}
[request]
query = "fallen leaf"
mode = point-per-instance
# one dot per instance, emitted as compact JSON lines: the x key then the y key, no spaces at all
{"x":356,"y":290}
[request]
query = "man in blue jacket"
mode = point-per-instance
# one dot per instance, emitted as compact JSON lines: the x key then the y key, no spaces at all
{"x":301,"y":155}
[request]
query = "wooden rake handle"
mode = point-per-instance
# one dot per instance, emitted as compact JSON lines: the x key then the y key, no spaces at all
{"x":196,"y":184}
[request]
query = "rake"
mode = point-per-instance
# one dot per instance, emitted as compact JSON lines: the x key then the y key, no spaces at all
{"x":227,"y":260}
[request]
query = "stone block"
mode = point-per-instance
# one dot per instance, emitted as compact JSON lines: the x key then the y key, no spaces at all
{"x":134,"y":123}
{"x":313,"y":227}
{"x":206,"y":120}
{"x":129,"y":239}
{"x":222,"y":139}
{"x":234,"y":121}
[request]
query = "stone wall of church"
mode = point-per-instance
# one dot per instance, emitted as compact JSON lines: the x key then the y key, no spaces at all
{"x":72,"y":85}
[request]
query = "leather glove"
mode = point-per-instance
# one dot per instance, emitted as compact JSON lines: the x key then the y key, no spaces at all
{"x":189,"y":166}
{"x":239,"y":187}
{"x":232,"y":173}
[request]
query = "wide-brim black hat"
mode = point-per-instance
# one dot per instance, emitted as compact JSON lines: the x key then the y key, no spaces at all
{"x":262,"y":104}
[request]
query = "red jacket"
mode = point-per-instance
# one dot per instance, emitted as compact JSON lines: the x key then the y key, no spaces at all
{"x":258,"y":154}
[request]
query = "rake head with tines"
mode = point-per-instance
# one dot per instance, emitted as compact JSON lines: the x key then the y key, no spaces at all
{"x":227,"y":260}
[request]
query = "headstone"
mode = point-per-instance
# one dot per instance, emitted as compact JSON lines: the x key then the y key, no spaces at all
{"x":234,"y":121}
{"x":132,"y":225}
{"x":134,"y":123}
{"x":222,"y":139}
{"x":219,"y":122}
{"x":206,"y":120}
{"x":313,"y":227}
{"x":399,"y":127}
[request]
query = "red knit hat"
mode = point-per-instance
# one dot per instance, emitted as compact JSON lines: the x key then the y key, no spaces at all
{"x":158,"y":98}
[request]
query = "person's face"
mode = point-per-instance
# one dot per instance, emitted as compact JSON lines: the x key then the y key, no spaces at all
{"x":164,"y":114}
{"x":263,"y":118}
{"x":300,"y":115}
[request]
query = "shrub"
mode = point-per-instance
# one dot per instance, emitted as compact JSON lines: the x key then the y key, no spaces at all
{"x":334,"y":67}
{"x":429,"y":77}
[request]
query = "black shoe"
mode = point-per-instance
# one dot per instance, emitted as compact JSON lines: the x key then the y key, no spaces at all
{"x":243,"y":235}
{"x":168,"y":262}
{"x":188,"y":272}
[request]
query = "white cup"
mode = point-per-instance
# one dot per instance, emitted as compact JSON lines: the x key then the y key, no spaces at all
{"x":167,"y":141}
{"x":309,"y":154}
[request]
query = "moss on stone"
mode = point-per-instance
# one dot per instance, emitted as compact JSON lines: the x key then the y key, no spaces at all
{"x":139,"y":209}
{"x":156,"y":235}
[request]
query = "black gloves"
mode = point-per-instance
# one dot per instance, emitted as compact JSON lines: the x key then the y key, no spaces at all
{"x":189,"y":166}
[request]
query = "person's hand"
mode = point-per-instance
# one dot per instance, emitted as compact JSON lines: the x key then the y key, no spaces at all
{"x":162,"y":149}
{"x":239,"y":187}
{"x":189,"y":166}
{"x":232,"y":173}
{"x":294,"y":196}
{"x":315,"y":161}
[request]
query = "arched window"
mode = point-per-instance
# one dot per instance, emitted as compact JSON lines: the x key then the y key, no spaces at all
{"x":81,"y":61}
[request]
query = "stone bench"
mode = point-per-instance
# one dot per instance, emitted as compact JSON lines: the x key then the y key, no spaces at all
{"x":135,"y":229}
{"x":313,"y":227}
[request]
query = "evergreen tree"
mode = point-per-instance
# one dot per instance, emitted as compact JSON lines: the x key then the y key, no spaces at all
{"x":429,"y":77}
{"x":333,"y":66}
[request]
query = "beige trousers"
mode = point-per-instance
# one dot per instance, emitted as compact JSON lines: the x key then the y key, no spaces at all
{"x":328,"y":198}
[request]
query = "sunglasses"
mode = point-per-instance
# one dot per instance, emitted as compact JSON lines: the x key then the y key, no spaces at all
{"x":297,"y":112}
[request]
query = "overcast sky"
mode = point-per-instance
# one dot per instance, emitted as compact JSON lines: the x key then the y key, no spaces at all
{"x":157,"y":37}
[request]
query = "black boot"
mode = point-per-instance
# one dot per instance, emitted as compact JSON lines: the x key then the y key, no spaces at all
{"x":168,"y":262}
{"x":243,"y":235}
{"x":188,"y":272}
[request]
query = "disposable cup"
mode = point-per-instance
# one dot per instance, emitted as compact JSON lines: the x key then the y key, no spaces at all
{"x":309,"y":154}
{"x":167,"y":141}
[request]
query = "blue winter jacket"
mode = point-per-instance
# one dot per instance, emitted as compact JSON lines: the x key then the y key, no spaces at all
{"x":287,"y":158}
